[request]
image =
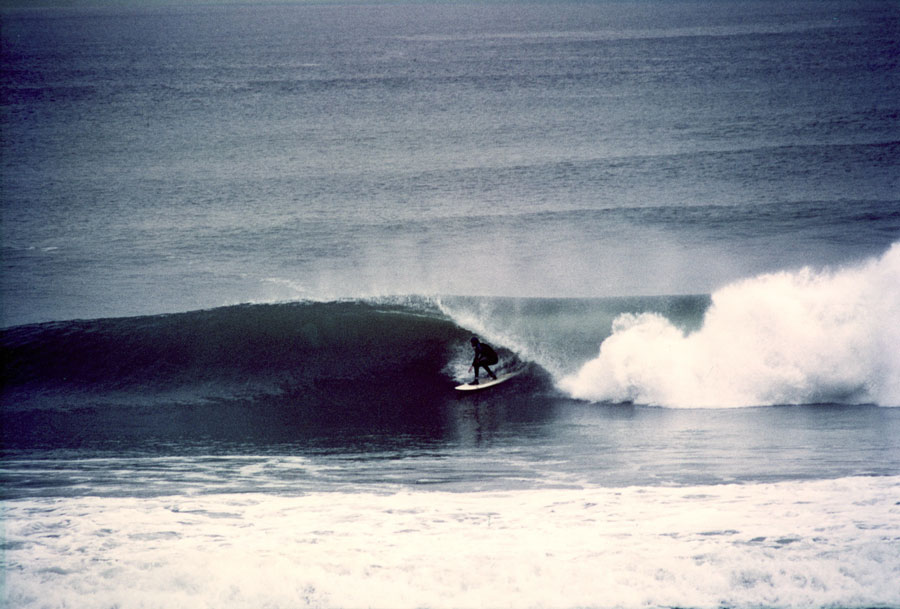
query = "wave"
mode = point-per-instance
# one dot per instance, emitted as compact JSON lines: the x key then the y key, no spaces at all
{"x":272,"y":369}
{"x":790,"y":337}
{"x":361,"y":350}
{"x":240,"y":350}
{"x":243,"y":373}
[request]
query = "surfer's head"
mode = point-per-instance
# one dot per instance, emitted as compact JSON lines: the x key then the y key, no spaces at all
{"x":474,"y":341}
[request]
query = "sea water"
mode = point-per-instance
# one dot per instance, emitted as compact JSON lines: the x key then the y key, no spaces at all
{"x":245,"y":246}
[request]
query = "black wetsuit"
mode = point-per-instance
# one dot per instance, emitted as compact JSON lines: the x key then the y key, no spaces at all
{"x":484,"y":356}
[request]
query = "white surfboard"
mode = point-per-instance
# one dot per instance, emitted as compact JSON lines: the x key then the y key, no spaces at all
{"x":489,"y":382}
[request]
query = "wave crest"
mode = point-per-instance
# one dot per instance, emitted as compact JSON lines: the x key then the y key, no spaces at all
{"x":782,"y":338}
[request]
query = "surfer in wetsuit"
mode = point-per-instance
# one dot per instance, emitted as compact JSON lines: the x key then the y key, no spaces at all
{"x":484,"y":356}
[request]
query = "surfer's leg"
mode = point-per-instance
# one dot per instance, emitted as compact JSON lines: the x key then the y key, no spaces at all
{"x":490,"y":361}
{"x":483,"y":363}
{"x":488,"y":370}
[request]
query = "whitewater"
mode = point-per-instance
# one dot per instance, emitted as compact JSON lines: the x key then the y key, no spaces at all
{"x":788,"y":545}
{"x":793,"y":337}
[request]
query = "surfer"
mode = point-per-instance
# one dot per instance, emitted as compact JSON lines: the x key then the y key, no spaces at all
{"x":484,"y":356}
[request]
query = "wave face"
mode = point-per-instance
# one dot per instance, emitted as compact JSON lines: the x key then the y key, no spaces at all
{"x":782,"y":338}
{"x":255,"y":347}
{"x":230,"y":372}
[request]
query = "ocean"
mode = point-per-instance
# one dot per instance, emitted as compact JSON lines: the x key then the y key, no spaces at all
{"x":245,"y":246}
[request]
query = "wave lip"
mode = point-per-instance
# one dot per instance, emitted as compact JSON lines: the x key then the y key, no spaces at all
{"x":792,"y":337}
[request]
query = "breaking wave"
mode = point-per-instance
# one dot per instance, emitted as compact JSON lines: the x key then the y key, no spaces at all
{"x":790,"y":337}
{"x":279,"y":370}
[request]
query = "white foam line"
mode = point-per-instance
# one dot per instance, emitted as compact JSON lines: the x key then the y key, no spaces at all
{"x":789,"y":544}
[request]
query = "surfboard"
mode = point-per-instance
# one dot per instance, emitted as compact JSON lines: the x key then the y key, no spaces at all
{"x":489,"y":382}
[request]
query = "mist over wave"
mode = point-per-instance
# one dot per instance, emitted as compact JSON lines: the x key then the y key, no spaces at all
{"x":803,"y":336}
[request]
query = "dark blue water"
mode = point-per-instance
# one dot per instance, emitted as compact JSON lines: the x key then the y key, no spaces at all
{"x":244,"y":248}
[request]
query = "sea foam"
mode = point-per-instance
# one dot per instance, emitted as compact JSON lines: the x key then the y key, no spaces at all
{"x":789,"y":544}
{"x":791,"y":337}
